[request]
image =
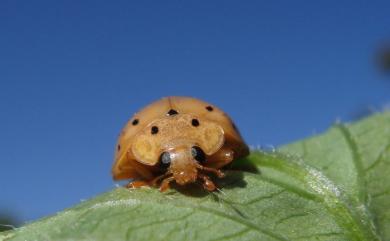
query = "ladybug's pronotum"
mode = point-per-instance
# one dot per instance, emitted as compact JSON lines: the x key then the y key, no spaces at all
{"x":177,"y":139}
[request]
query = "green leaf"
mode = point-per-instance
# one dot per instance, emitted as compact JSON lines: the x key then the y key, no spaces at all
{"x":335,"y":186}
{"x":357,"y":158}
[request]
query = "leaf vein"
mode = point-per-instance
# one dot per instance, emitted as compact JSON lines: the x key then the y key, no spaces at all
{"x":164,"y":221}
{"x":242,"y":221}
{"x":319,"y":235}
{"x":379,"y":159}
{"x":357,"y":160}
{"x":295,"y":215}
{"x":233,"y":235}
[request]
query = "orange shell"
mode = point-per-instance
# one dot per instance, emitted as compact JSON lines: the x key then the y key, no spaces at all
{"x":137,"y":150}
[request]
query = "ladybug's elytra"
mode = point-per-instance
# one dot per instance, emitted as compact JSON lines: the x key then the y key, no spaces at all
{"x":177,"y":139}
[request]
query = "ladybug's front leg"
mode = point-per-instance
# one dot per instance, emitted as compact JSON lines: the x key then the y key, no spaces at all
{"x":207,"y":184}
{"x":217,"y":172}
{"x":165,"y":184}
{"x":155,"y":180}
{"x":138,"y":184}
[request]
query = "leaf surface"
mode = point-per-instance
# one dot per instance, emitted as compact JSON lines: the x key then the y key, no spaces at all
{"x":357,"y":158}
{"x":334,"y":186}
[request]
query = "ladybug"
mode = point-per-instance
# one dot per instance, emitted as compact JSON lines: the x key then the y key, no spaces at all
{"x":179,"y":139}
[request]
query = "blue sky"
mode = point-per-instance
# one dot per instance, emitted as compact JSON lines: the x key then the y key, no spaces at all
{"x":73,"y":72}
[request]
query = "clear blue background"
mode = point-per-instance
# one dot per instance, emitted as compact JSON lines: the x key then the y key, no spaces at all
{"x":72,"y":73}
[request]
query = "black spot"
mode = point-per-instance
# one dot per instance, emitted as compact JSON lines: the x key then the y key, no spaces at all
{"x":135,"y":122}
{"x":195,"y":122}
{"x":209,"y":108}
{"x":154,"y":130}
{"x":172,"y":112}
{"x":119,"y":147}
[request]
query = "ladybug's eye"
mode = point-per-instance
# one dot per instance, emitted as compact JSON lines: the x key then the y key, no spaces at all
{"x":198,"y":154}
{"x":165,"y":160}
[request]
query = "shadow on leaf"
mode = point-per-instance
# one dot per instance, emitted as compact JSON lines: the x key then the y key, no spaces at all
{"x":233,"y":179}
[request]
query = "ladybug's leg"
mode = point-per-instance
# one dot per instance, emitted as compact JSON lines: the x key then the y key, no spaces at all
{"x":137,"y":184}
{"x":165,"y":184}
{"x":142,"y":174}
{"x":156,"y":179}
{"x":153,"y":182}
{"x":217,"y":172}
{"x":208,"y":184}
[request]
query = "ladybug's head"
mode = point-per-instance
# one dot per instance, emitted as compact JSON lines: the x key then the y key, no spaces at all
{"x":183,"y":163}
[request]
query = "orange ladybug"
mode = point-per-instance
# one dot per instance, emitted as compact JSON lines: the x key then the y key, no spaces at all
{"x":179,"y":139}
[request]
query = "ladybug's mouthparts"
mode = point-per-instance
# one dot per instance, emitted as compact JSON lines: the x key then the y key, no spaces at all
{"x":182,"y":178}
